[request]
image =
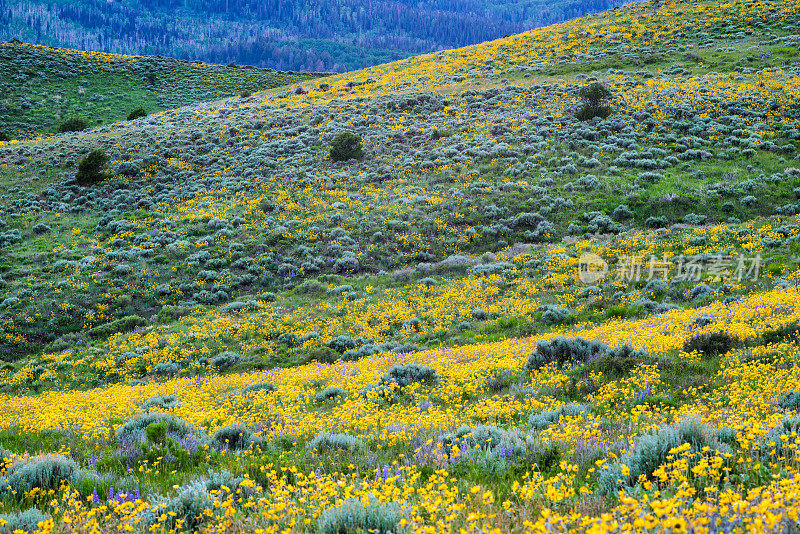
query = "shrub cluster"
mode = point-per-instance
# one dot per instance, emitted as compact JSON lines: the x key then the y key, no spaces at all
{"x":353,"y":516}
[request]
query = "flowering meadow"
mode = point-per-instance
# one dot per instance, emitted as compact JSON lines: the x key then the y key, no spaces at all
{"x":233,"y":332}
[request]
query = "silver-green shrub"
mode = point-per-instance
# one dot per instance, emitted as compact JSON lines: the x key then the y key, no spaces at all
{"x":352,"y":517}
{"x":328,"y":441}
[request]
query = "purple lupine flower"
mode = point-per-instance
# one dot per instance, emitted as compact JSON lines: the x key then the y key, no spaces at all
{"x":95,"y":497}
{"x":643,"y":393}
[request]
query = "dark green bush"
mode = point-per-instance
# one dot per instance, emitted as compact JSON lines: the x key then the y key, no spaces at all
{"x":91,"y":168}
{"x":593,"y":95}
{"x":587,"y":112}
{"x":156,"y":432}
{"x":75,"y":124}
{"x":710,"y":344}
{"x":137,"y":113}
{"x":787,"y":332}
{"x":346,"y":146}
{"x":4,"y":137}
{"x":323,"y":355}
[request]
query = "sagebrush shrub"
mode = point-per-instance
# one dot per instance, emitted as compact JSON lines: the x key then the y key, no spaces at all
{"x":233,"y":437}
{"x":342,"y":343}
{"x":26,"y":520}
{"x":188,"y":506}
{"x":40,"y":229}
{"x":167,"y":368}
{"x":790,"y":400}
{"x":328,"y":441}
{"x":352,"y":517}
{"x":226,"y":360}
{"x":544,"y":419}
{"x":161,"y":402}
{"x":562,"y":350}
{"x":651,"y":451}
{"x":622,"y":212}
{"x":260,"y":386}
{"x":330,"y":394}
{"x":140,"y":422}
{"x":499,"y":380}
{"x":47,"y":472}
{"x":620,"y":360}
{"x":405,"y":375}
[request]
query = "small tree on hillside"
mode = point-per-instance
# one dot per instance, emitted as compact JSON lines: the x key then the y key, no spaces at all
{"x":137,"y":113}
{"x":75,"y":124}
{"x":346,"y":146}
{"x":593,"y":96}
{"x":91,"y":168}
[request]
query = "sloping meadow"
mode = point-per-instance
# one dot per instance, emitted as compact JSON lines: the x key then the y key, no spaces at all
{"x":231,"y":332}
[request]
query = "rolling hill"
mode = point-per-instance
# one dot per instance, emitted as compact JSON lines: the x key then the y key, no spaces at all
{"x":230,"y":331}
{"x":43,"y":87}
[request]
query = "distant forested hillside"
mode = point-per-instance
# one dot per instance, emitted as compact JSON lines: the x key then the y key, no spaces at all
{"x":316,"y":35}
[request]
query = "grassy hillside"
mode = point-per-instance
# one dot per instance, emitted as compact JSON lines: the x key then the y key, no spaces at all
{"x":42,"y":87}
{"x":237,"y":333}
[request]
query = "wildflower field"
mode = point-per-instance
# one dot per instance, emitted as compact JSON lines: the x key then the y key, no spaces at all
{"x":230,"y":331}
